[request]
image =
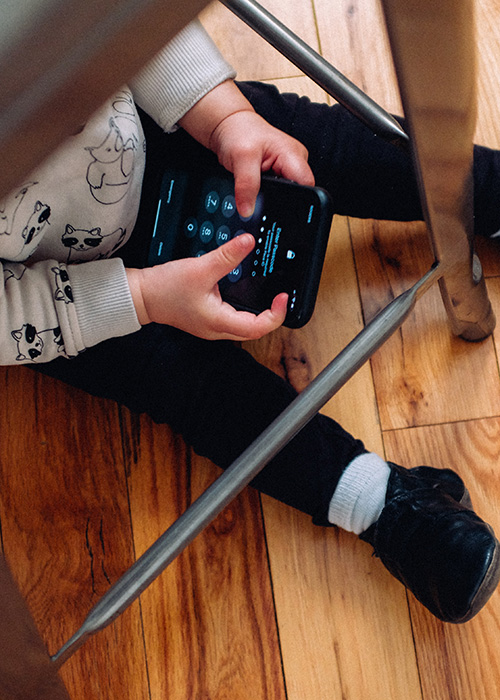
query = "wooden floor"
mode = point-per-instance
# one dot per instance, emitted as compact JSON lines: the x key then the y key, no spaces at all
{"x":263,"y":605}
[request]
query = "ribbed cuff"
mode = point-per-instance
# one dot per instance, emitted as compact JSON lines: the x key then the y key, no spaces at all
{"x":180,"y":75}
{"x":103,"y":302}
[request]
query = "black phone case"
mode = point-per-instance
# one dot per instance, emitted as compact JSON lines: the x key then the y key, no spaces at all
{"x":206,"y":217}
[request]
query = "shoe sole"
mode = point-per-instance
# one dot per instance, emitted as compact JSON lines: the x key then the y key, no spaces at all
{"x":466,"y":500}
{"x":488,"y":584}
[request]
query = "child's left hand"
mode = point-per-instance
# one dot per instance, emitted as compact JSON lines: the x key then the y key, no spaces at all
{"x":245,"y":143}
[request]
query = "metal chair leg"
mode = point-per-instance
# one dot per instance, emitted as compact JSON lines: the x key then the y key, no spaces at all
{"x":224,"y":489}
{"x":319,"y":70}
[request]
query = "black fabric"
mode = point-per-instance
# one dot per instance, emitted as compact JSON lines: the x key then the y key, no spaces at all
{"x":214,"y":393}
{"x":220,"y":399}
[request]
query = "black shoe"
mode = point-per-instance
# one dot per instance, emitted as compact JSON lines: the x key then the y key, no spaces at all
{"x":431,"y":540}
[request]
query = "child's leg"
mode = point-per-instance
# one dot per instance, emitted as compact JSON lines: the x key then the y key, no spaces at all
{"x":220,"y":399}
{"x":419,"y":522}
{"x":367,"y":177}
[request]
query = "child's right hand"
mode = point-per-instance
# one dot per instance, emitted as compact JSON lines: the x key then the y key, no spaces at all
{"x":185,"y":294}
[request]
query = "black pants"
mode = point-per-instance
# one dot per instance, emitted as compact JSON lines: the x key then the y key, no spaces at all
{"x":214,"y":393}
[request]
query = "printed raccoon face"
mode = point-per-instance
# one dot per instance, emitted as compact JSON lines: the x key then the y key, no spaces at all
{"x":36,"y":223}
{"x":29,"y":342}
{"x":80,"y":240}
{"x":63,"y":287}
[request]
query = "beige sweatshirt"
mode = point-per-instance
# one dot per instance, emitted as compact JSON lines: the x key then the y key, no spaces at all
{"x":61,"y":293}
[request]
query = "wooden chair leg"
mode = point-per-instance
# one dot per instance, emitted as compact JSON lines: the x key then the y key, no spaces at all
{"x":434,"y":51}
{"x":26,"y":671}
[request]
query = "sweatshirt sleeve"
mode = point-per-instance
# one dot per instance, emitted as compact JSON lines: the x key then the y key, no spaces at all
{"x":180,"y":75}
{"x":49,"y":309}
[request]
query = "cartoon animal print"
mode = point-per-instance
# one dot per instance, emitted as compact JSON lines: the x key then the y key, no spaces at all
{"x":13,"y":272}
{"x":122,"y":232}
{"x":112,"y":166}
{"x":31,"y":344}
{"x":9,"y":208}
{"x":80,"y":240}
{"x":123,"y":105}
{"x":36,"y":223}
{"x":63,"y":287}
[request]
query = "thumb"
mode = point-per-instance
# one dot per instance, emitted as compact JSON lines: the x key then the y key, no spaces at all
{"x":220,"y":262}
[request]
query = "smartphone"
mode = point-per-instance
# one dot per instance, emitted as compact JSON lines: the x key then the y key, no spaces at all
{"x":197,"y":212}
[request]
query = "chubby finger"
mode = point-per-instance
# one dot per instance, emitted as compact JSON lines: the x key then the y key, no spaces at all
{"x":247,"y":179}
{"x":243,"y":325}
{"x":298,"y":169}
{"x":274,"y":317}
{"x":221,"y":261}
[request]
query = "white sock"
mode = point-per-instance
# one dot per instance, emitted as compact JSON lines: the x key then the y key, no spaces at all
{"x":360,"y":494}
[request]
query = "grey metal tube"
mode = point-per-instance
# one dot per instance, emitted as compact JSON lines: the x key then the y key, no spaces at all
{"x":246,"y":467}
{"x":319,"y":70}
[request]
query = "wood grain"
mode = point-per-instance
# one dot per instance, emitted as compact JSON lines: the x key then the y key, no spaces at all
{"x":334,"y":603}
{"x":264,"y":604}
{"x":251,"y":55}
{"x":422,"y":365}
{"x":209,"y":625}
{"x":65,"y":524}
{"x":354,"y":39}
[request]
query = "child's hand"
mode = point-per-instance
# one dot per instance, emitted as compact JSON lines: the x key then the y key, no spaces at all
{"x":185,"y":294}
{"x":247,"y":145}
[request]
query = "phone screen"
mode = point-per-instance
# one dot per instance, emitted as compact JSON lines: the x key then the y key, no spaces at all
{"x":290,"y":224}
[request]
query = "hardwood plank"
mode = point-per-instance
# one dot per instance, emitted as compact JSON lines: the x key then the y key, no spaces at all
{"x":488,"y":30}
{"x":423,"y":365}
{"x":343,"y":619}
{"x":65,"y":524}
{"x":252,"y":57}
{"x":209,"y":623}
{"x":412,"y":388}
{"x":341,"y":616}
{"x":457,"y":662}
{"x":353,"y":37}
{"x":354,"y":40}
